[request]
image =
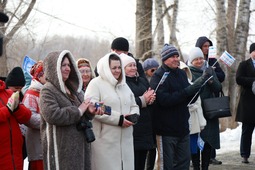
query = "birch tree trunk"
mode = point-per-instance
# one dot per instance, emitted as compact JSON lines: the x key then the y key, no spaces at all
{"x":231,"y":15}
{"x":143,"y":28}
{"x":221,"y":39}
{"x":240,"y":44}
{"x":159,"y":30}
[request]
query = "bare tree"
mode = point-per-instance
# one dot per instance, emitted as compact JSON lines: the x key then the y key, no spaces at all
{"x":172,"y":24}
{"x":17,"y":19}
{"x":143,"y":28}
{"x":159,"y":30}
{"x":232,"y":35}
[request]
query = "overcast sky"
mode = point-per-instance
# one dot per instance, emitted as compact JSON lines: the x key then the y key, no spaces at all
{"x":113,"y":18}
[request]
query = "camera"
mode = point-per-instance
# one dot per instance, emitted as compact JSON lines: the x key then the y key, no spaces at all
{"x":107,"y":109}
{"x":85,"y":125}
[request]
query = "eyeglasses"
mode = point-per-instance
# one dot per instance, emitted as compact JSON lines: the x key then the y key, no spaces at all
{"x":83,"y":71}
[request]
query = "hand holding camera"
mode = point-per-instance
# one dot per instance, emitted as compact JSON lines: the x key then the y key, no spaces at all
{"x":105,"y":109}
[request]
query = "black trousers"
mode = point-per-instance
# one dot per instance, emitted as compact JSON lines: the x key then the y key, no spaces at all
{"x":140,"y":157}
{"x":246,"y":139}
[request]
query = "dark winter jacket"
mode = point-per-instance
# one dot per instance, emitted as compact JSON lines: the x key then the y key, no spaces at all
{"x":171,"y":111}
{"x":143,"y":136}
{"x":245,"y":76}
{"x":211,"y":131}
{"x":219,"y":72}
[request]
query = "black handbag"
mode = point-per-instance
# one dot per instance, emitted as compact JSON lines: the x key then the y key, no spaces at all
{"x":217,"y":107}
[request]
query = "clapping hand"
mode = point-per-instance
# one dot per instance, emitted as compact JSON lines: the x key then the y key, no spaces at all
{"x":149,"y":96}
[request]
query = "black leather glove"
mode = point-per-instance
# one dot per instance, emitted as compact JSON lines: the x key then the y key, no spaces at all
{"x":195,"y":87}
{"x":207,"y":73}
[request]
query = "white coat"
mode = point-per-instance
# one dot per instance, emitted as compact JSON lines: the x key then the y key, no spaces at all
{"x":113,"y":147}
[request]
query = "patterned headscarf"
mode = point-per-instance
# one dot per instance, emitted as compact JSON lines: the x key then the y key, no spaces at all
{"x":37,"y":70}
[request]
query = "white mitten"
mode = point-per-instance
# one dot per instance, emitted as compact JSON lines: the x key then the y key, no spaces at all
{"x":13,"y":101}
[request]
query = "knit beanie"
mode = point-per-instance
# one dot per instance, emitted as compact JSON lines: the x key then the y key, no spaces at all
{"x":194,"y":53}
{"x":37,"y":70}
{"x":125,"y":59}
{"x":120,"y":43}
{"x":252,"y":47}
{"x":150,"y":63}
{"x":15,"y":77}
{"x":168,"y":51}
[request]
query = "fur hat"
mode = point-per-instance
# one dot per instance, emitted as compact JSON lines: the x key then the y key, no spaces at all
{"x":252,"y":47}
{"x":120,"y":43}
{"x":125,"y":59}
{"x":194,"y":53}
{"x":150,"y":63}
{"x":37,"y":70}
{"x":168,"y":51}
{"x":15,"y":77}
{"x":82,"y":62}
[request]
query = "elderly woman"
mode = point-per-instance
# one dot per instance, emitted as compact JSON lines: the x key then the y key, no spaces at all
{"x":144,"y":97}
{"x":113,"y":148}
{"x":86,"y":70}
{"x":62,"y":107}
{"x":210,"y":134}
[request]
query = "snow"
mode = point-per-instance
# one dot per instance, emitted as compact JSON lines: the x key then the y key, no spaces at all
{"x":229,"y":141}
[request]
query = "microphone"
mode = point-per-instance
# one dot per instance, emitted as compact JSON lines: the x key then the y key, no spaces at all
{"x":3,"y":17}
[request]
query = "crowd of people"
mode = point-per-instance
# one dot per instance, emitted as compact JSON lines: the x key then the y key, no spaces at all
{"x":123,"y":114}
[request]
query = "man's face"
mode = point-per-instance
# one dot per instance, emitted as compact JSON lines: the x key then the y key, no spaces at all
{"x":205,"y":48}
{"x":173,"y":62}
{"x":253,"y":55}
{"x":120,"y":52}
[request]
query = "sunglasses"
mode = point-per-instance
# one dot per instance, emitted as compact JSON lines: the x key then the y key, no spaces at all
{"x":153,"y":70}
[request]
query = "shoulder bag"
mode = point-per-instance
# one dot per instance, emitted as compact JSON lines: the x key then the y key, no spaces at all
{"x":217,"y":107}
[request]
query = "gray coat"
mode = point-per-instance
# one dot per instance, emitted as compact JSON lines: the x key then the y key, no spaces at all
{"x":245,"y":76}
{"x":64,"y":147}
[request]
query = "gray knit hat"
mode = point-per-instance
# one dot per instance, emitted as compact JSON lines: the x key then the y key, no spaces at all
{"x":150,"y":63}
{"x":168,"y":51}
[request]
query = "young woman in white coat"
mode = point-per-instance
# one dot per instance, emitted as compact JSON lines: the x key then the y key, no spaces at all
{"x":113,"y":147}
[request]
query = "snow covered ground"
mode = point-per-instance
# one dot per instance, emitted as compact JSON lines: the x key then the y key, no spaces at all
{"x":230,"y":141}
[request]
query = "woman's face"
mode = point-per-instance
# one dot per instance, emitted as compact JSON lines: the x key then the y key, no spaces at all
{"x":198,"y":62}
{"x":85,"y":74}
{"x":42,"y":79}
{"x":131,"y":69}
{"x":65,"y":69}
{"x":150,"y":72}
{"x":115,"y":67}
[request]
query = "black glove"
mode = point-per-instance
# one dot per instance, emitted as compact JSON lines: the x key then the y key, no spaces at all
{"x":195,"y":87}
{"x":207,"y":73}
